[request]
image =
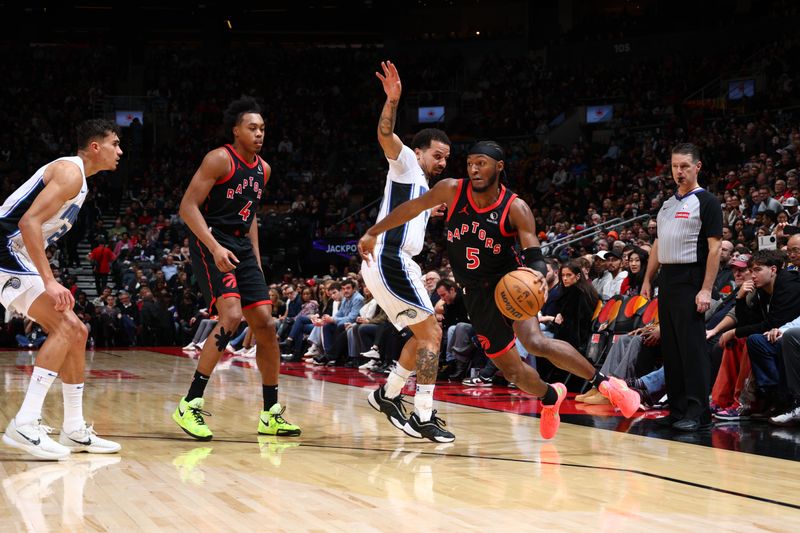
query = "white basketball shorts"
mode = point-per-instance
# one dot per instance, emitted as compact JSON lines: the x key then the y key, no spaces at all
{"x":396,"y":284}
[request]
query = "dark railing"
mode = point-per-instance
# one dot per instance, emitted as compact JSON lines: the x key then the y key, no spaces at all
{"x":359,"y":210}
{"x":579,"y":235}
{"x":594,"y":230}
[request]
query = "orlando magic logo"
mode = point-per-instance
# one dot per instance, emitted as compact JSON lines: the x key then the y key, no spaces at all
{"x":14,"y":283}
{"x":410,"y":313}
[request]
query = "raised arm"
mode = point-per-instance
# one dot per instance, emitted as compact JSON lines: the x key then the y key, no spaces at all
{"x":63,"y":181}
{"x":215,"y":165}
{"x":441,"y":193}
{"x":389,"y":141}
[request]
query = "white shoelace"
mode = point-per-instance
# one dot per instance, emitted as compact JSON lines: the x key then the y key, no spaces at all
{"x":87,"y":431}
{"x":42,"y":427}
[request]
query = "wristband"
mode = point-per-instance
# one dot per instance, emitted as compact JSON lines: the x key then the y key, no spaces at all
{"x":532,"y":258}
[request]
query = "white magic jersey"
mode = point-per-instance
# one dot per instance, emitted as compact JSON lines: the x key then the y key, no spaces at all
{"x":404,"y":181}
{"x":13,"y":256}
{"x":394,"y":279}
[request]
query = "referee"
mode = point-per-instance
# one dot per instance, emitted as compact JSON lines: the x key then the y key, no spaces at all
{"x":687,"y":250}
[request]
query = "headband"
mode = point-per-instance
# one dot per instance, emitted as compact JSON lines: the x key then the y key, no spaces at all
{"x":488,"y":149}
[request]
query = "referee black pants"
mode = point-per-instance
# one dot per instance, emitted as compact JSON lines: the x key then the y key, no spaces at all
{"x":687,"y":366}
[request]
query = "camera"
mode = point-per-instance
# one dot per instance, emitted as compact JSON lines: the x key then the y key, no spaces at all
{"x":767,"y":242}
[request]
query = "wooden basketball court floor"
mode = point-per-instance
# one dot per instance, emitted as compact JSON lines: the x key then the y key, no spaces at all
{"x":352,"y":471}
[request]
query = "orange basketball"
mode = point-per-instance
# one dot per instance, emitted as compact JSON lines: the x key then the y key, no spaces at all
{"x":519,"y":294}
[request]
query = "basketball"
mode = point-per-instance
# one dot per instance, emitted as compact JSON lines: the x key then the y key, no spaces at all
{"x":519,"y":294}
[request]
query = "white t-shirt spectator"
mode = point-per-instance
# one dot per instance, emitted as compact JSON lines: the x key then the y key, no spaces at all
{"x":369,"y":310}
{"x":609,"y":286}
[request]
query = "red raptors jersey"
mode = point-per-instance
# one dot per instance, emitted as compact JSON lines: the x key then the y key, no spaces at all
{"x":480,"y":241}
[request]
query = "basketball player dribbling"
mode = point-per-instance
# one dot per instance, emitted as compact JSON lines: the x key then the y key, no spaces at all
{"x":35,"y":216}
{"x":484,"y":219}
{"x":395,"y":279}
{"x":219,"y":207}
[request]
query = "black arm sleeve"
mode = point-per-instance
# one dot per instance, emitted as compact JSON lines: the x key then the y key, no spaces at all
{"x":532,"y":258}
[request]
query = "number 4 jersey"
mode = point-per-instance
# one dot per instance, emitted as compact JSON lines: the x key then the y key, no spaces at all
{"x":480,"y":241}
{"x":229,"y":211}
{"x":233,"y":200}
{"x":14,"y":257}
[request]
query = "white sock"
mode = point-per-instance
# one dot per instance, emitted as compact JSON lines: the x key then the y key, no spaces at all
{"x":423,"y":402}
{"x":73,"y":407}
{"x":396,"y":380}
{"x":31,"y":409}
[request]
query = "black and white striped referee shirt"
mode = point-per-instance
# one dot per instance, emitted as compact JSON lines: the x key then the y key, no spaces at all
{"x":684,"y":225}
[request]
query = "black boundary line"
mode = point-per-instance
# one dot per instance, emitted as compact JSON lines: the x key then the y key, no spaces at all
{"x":486,"y":457}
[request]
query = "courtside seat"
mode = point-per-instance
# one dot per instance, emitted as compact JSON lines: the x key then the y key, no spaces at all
{"x":602,"y":326}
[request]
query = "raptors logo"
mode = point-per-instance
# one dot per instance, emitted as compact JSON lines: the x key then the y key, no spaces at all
{"x":229,"y":280}
{"x":484,"y":342}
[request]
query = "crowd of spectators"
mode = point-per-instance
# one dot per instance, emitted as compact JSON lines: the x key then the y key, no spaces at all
{"x":326,"y":164}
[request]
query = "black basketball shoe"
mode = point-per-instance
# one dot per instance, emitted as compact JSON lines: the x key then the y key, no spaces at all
{"x":393,"y":408}
{"x":433,"y":429}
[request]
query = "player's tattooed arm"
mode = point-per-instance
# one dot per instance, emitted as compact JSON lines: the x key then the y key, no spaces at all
{"x":390,"y":79}
{"x":427,"y":366}
{"x":388,"y":119}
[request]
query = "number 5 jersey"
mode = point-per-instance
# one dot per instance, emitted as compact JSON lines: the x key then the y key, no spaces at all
{"x":480,"y":241}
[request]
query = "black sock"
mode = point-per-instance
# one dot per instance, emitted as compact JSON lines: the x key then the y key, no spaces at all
{"x":270,"y":393}
{"x":551,"y":396}
{"x":597,"y":380}
{"x":198,"y":386}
